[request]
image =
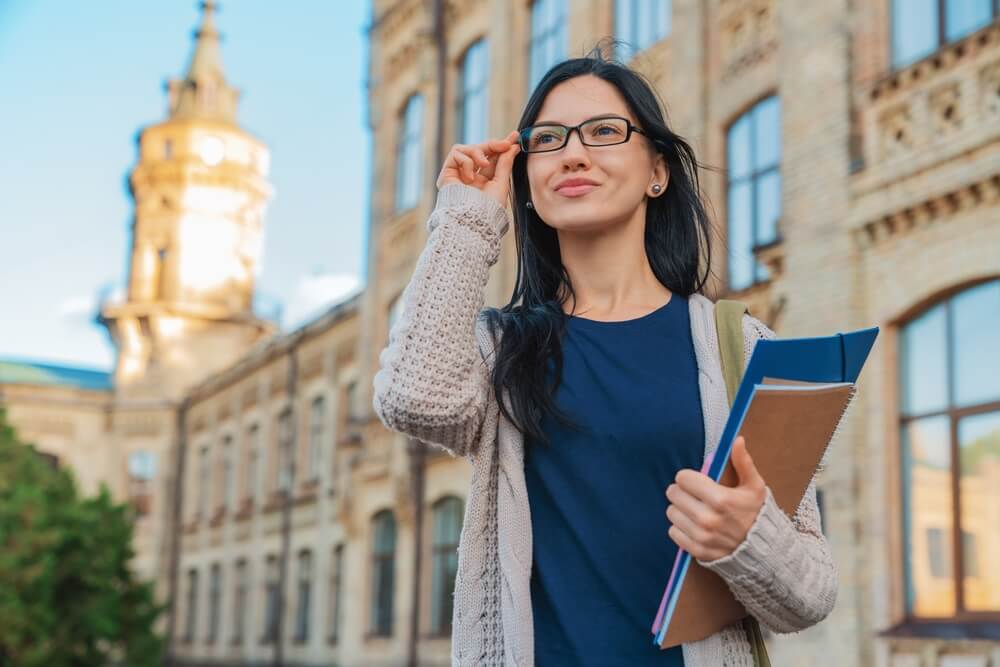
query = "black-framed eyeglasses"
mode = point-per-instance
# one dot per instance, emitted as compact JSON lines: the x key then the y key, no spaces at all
{"x":600,"y":131}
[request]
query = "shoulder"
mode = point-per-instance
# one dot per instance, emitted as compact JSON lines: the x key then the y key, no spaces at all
{"x":754,"y":330}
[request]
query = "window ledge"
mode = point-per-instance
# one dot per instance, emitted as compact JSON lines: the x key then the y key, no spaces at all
{"x":951,"y":629}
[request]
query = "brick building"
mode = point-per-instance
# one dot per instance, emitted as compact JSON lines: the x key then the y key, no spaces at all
{"x":858,"y":184}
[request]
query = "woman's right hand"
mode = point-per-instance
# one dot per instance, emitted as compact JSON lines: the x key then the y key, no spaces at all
{"x":485,"y":166}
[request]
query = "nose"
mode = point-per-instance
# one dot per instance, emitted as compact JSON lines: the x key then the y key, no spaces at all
{"x":574,"y":153}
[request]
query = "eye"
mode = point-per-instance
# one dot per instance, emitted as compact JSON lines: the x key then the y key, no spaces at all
{"x":614,"y":129}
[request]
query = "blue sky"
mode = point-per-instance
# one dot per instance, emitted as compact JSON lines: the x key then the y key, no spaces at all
{"x":80,"y":79}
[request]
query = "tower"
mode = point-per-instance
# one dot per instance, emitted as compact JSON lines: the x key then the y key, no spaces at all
{"x":200,"y":191}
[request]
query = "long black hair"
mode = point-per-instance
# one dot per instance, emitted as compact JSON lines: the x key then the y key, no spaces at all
{"x":677,"y":241}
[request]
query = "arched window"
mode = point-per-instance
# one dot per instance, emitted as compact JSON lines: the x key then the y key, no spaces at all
{"x":241,"y":599}
{"x":410,"y":153}
{"x":214,"y":602}
{"x":921,"y":27}
{"x":640,"y":24}
{"x":548,"y":38}
{"x":304,"y":596}
{"x":472,"y":101}
{"x":383,"y":565}
{"x":447,"y":526}
{"x":191,"y":621}
{"x":141,"y":473}
{"x":317,"y":418}
{"x":753,"y":189}
{"x":227,"y":469}
{"x":251,"y":452}
{"x":271,"y":593}
{"x":336,"y":591}
{"x":950,"y":450}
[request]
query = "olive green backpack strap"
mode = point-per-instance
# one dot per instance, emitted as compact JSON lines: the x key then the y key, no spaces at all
{"x":729,"y":329}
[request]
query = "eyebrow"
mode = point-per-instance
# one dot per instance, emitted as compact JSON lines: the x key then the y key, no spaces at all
{"x":605,"y":115}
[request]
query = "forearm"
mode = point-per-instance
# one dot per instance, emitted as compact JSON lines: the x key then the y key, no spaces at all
{"x":432,"y":381}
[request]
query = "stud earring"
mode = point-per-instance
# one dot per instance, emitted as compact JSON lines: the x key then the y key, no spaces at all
{"x":529,"y":205}
{"x":656,"y":188}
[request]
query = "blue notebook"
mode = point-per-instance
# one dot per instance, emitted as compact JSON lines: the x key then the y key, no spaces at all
{"x":828,"y":363}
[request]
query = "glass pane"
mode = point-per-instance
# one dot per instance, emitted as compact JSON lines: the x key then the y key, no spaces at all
{"x":623,"y":25}
{"x":976,"y":327}
{"x":741,"y":260}
{"x":979,"y":482}
{"x":738,"y":146}
{"x":647,"y":23}
{"x":924,"y":363}
{"x":768,"y":206}
{"x":385,"y":534}
{"x":447,"y":522}
{"x":767,"y":134}
{"x":666,"y":17}
{"x":927,"y":517}
{"x":914,"y":30}
{"x":965,"y":16}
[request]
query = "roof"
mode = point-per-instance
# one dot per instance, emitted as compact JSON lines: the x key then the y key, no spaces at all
{"x":30,"y":372}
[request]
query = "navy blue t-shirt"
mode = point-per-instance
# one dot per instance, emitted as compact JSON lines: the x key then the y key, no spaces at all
{"x":601,"y":553}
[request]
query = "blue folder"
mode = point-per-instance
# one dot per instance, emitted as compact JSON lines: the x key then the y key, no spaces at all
{"x":837,"y":358}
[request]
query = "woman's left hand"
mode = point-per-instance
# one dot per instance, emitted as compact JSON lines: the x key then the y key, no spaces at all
{"x":710,"y":520}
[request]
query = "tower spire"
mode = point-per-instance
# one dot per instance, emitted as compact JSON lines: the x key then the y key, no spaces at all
{"x":203,"y":92}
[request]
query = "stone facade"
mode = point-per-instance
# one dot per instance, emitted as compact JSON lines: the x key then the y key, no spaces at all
{"x":890,"y":202}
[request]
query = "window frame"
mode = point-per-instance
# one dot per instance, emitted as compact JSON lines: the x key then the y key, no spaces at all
{"x":441,"y":625}
{"x":303,"y":596}
{"x":336,"y":591}
{"x":409,"y":140}
{"x":941,"y":7}
{"x":379,"y":560}
{"x":752,"y":178}
{"x":317,"y":431}
{"x":272,"y":603}
{"x":552,"y":33}
{"x":191,"y":606}
{"x":241,"y":599}
{"x":630,"y":36}
{"x":214,"y":603}
{"x":955,"y":538}
{"x":463,"y":93}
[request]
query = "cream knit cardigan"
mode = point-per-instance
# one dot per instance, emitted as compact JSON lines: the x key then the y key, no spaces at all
{"x":433,"y":383}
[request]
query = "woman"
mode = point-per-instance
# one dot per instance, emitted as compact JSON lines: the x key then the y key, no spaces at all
{"x":608,"y":363}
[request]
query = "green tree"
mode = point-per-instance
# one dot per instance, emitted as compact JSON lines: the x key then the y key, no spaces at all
{"x":68,"y":597}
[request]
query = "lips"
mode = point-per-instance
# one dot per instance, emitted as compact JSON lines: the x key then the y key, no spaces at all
{"x":574,"y":182}
{"x":576,"y":190}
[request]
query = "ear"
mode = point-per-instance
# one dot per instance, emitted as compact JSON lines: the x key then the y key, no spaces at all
{"x":661,"y":174}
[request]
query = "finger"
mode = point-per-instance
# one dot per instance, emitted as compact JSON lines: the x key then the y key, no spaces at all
{"x":490,"y":167}
{"x":744,"y":465}
{"x":681,"y":520}
{"x":691,"y":507}
{"x":702,"y":487}
{"x":465,"y":167}
{"x":505,"y":163}
{"x":684,"y":541}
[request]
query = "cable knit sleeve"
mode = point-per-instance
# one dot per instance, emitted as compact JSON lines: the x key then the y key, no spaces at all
{"x":433,"y":381}
{"x":783,"y":572}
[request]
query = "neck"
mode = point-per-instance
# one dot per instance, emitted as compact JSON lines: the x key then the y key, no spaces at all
{"x":610,"y":272}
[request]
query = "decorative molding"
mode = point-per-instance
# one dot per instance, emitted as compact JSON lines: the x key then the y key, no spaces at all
{"x":946,"y":58}
{"x":748,"y":34}
{"x":928,"y":211}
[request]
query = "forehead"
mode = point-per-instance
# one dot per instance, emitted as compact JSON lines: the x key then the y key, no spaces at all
{"x":583,"y":97}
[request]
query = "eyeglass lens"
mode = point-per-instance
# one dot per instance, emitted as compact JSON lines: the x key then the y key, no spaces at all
{"x":597,"y":132}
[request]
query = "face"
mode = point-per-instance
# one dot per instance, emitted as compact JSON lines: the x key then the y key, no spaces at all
{"x":624,"y":173}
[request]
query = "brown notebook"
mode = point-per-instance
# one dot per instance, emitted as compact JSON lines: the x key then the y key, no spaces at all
{"x":787,"y":431}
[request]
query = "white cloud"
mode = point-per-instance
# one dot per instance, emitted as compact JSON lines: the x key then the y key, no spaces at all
{"x":77,"y":307}
{"x":316,"y":293}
